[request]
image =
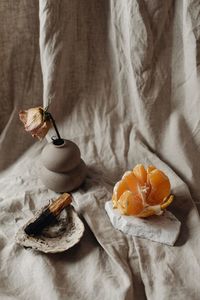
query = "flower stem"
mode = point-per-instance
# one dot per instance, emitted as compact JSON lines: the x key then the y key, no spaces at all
{"x":55,"y":127}
{"x":59,"y":140}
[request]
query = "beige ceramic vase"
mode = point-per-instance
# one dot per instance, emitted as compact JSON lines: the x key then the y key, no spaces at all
{"x":62,"y":170}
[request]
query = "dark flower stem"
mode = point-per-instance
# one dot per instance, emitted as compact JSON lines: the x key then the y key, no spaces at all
{"x":59,"y":140}
{"x":55,"y":127}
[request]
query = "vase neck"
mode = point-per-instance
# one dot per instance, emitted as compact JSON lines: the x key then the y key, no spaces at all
{"x":58,"y":142}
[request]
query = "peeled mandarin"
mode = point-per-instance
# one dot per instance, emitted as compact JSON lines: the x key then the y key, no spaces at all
{"x":142,"y":192}
{"x":160,"y":187}
{"x":130,"y":204}
{"x":141,"y":174}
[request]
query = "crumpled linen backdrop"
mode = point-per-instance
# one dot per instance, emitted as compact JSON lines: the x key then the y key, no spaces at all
{"x":123,"y":81}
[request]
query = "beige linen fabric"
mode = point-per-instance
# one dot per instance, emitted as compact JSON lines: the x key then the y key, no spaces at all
{"x":123,"y":81}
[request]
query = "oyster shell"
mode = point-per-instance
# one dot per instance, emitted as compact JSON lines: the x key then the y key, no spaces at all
{"x":57,"y":237}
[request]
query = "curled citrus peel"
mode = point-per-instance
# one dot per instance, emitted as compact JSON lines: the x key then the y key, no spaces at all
{"x":142,"y":192}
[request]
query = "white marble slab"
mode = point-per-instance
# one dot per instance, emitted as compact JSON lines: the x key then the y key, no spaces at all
{"x":162,"y":229}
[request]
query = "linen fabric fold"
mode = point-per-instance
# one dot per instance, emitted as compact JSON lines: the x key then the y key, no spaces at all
{"x":122,"y":81}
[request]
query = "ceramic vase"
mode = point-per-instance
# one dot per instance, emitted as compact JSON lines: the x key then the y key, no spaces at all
{"x":62,"y":169}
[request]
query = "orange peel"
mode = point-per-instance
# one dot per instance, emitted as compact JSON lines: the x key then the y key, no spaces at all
{"x":142,"y":192}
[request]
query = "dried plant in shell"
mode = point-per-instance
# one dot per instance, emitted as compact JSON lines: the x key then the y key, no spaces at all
{"x":56,"y":237}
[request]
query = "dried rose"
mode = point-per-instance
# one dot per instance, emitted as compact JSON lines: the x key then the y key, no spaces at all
{"x":35,"y":121}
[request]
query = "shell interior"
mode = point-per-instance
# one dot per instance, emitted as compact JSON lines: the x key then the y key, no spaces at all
{"x":57,"y":237}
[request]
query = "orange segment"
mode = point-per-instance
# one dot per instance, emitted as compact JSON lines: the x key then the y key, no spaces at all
{"x":130,"y":204}
{"x":131,"y":181}
{"x":119,"y":188}
{"x":160,"y":187}
{"x":141,"y":174}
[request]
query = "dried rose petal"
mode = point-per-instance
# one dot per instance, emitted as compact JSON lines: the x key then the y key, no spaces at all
{"x":34,"y":122}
